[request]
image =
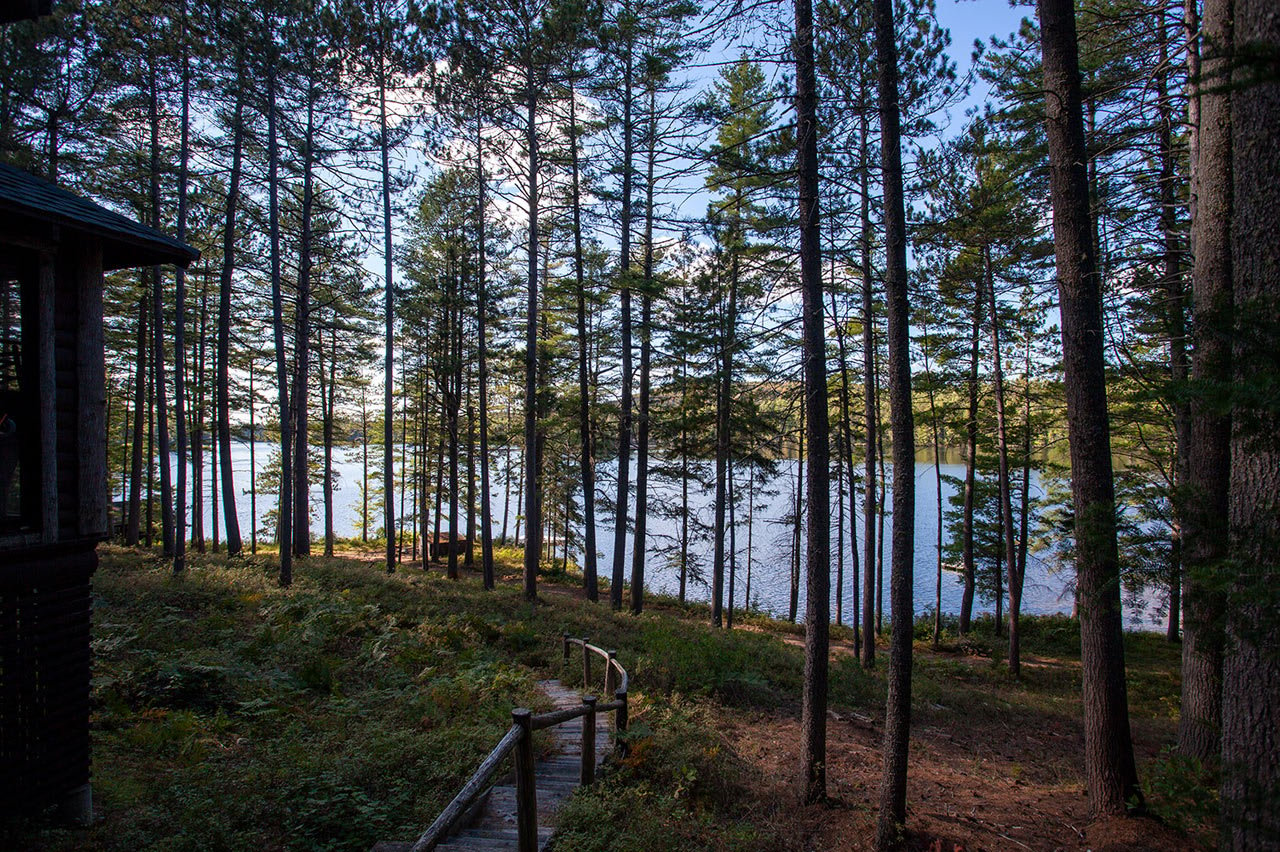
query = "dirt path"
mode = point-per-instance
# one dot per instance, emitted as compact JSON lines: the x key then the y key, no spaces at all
{"x":974,"y":784}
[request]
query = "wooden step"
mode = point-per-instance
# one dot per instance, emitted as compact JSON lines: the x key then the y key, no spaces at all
{"x":492,"y":826}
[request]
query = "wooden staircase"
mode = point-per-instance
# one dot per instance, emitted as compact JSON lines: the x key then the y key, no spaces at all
{"x":491,"y":823}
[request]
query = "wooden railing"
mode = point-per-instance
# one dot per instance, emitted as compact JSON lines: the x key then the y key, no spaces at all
{"x":518,"y":740}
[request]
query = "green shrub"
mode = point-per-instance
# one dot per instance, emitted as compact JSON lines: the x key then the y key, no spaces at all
{"x":680,"y":788}
{"x":1183,"y":793}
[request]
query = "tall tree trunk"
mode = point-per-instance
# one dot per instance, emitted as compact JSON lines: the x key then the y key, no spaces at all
{"x":197,"y":421}
{"x":880,"y":509}
{"x":797,"y":522}
{"x":971,"y":464}
{"x":1002,"y":458}
{"x":1251,"y":667}
{"x":133,"y":525}
{"x":213,"y":471}
{"x":301,"y":505}
{"x":724,"y":427}
{"x":253,"y":463}
{"x":507,"y":475}
{"x":482,"y":356}
{"x":439,"y":501}
{"x":532,"y":480}
{"x":285,"y":507}
{"x":1024,"y":510}
{"x":897,"y":729}
{"x":1204,"y":533}
{"x":149,"y":521}
{"x":586,"y":456}
{"x":684,"y":477}
{"x":453,"y":402}
{"x":230,"y":520}
{"x":751,"y":496}
{"x":733,"y":544}
{"x":406,"y":475}
{"x":817,"y":620}
{"x":624,"y":274}
{"x":469,"y":560}
{"x":364,"y":467}
{"x":328,"y":396}
{"x":937,"y":479}
{"x":1175,"y":323}
{"x":388,"y":332}
{"x":180,"y":310}
{"x":869,"y":414}
{"x":1110,"y":774}
{"x":126,"y":425}
{"x":845,"y":468}
{"x":424,"y":473}
{"x":646,"y":348}
{"x":157,"y":324}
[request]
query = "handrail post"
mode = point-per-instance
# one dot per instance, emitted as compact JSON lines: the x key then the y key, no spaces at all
{"x":588,"y":774}
{"x":564,"y":642}
{"x":586,"y":665}
{"x":526,"y":788}
{"x":610,"y":678}
{"x":620,"y":724}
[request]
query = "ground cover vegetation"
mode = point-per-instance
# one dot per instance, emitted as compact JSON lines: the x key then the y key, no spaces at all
{"x":540,"y":266}
{"x":232,"y":714}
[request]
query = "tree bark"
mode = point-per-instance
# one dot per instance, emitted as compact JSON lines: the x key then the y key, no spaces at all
{"x":1110,"y":774}
{"x":453,"y":401}
{"x":971,"y":465}
{"x":797,"y":521}
{"x":1002,"y":462}
{"x":132,"y":529}
{"x":1175,"y":325}
{"x":231,"y":520}
{"x":285,"y":506}
{"x":624,"y":274}
{"x":1204,"y":534}
{"x":937,"y":479}
{"x":813,"y":714}
{"x":157,"y":323}
{"x":846,"y":431}
{"x":328,"y":397}
{"x":891,"y":826}
{"x":301,"y":505}
{"x":646,"y":348}
{"x":586,"y":456}
{"x":197,"y":421}
{"x":1251,"y":667}
{"x":388,"y":331}
{"x":482,"y":356}
{"x":869,"y":415}
{"x":532,"y":483}
{"x":180,"y":311}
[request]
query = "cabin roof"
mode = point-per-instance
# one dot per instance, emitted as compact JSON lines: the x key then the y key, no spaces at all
{"x":125,"y":242}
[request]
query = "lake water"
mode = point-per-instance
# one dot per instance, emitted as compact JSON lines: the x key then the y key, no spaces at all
{"x":771,"y":541}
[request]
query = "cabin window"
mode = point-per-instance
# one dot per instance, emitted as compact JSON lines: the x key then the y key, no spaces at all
{"x":19,"y":407}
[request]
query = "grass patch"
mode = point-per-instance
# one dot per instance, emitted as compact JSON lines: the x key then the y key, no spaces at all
{"x":231,"y":714}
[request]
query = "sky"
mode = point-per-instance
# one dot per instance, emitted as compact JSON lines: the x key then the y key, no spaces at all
{"x":977,"y":19}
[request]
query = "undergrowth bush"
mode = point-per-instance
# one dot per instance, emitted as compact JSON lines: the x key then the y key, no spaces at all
{"x":1183,"y":793}
{"x":681,"y":787}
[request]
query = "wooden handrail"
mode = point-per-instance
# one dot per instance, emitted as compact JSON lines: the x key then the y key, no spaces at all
{"x":611,"y":662}
{"x":518,"y":739}
{"x":470,"y":791}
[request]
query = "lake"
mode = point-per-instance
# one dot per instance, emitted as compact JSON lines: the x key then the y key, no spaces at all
{"x":1044,"y":592}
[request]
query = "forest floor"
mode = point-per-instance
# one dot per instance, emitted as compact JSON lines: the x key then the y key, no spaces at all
{"x":231,"y":714}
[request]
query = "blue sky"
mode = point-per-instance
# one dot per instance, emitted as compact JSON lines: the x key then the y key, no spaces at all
{"x":977,"y":19}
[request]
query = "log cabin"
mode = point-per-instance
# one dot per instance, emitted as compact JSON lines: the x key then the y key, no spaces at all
{"x":54,"y":249}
